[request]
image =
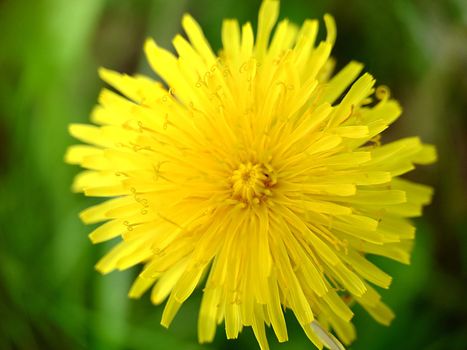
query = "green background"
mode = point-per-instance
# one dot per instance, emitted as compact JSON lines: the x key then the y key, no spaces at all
{"x":50,"y":295}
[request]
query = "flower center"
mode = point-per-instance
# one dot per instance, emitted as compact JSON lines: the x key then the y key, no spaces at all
{"x":252,"y":183}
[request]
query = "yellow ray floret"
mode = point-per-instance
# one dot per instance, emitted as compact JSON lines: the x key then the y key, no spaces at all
{"x":255,"y":175}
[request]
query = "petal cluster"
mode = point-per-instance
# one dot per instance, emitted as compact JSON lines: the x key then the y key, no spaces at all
{"x":257,"y":173}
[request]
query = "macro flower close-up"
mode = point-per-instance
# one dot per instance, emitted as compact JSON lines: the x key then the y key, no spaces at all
{"x":257,"y":174}
{"x":218,"y":175}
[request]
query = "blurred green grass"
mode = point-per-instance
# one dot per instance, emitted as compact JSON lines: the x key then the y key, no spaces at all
{"x":50,"y":295}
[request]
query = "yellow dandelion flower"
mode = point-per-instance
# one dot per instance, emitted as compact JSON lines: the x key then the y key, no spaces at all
{"x":257,"y":174}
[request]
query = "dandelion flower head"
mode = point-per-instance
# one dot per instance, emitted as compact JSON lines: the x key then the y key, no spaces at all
{"x":256,"y":174}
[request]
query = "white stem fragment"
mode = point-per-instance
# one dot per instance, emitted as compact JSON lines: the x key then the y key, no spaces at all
{"x":329,"y":341}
